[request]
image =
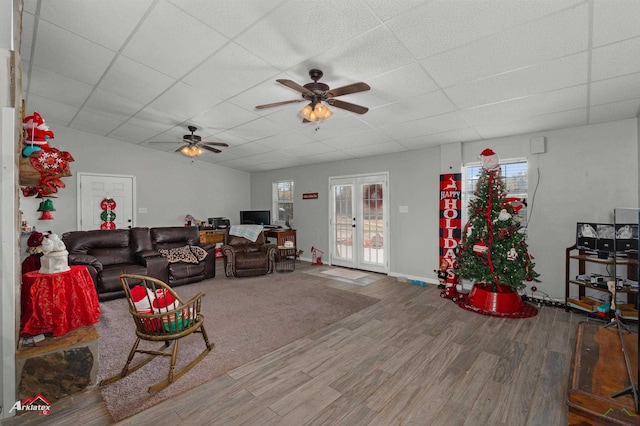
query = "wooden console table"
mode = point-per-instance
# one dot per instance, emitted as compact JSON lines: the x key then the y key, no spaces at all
{"x":597,"y":372}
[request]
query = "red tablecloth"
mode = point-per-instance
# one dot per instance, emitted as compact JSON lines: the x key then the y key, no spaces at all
{"x":58,"y":303}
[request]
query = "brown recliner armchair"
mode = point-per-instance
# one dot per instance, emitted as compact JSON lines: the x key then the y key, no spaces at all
{"x":245,"y":258}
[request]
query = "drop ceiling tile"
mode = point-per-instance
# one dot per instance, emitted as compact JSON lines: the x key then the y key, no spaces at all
{"x":155,"y":120}
{"x":256,"y":129}
{"x":539,"y":78}
{"x":314,"y":148}
{"x":361,"y":139}
{"x":285,"y":141}
{"x":341,"y":126}
{"x":105,"y":23}
{"x":95,"y":122}
{"x":30,"y":6}
{"x":58,"y":87}
{"x":230,"y":71}
{"x":51,"y":111}
{"x":555,"y":36}
{"x":135,"y":81}
{"x":426,"y":105}
{"x":27,"y":36}
{"x":224,"y":116}
{"x":184,"y":43}
{"x":266,"y":157}
{"x":86,"y":62}
{"x":540,"y":123}
{"x":396,"y":85}
{"x":359,"y":58}
{"x":426,"y":141}
{"x":614,"y":22}
{"x":615,"y":89}
{"x":614,"y":111}
{"x":386,"y":9}
{"x":282,"y":163}
{"x":427,"y":126}
{"x":246,"y":150}
{"x":111,"y":105}
{"x":529,"y":106}
{"x":231,"y":19}
{"x":379,"y":149}
{"x":285,"y":41}
{"x":616,"y":59}
{"x":438,"y":26}
{"x":128,"y":132}
{"x":185,"y":101}
{"x":329,"y":156}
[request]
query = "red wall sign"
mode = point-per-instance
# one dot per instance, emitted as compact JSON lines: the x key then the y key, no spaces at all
{"x":310,"y":196}
{"x":450,"y":220}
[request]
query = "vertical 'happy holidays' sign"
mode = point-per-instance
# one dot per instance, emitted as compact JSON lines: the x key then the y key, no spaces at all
{"x":450,"y":220}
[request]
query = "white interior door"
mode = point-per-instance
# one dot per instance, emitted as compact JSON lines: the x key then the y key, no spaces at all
{"x":94,"y":188}
{"x":358,"y":222}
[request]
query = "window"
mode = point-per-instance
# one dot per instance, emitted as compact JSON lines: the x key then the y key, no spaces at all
{"x":283,"y":201}
{"x":515,"y":174}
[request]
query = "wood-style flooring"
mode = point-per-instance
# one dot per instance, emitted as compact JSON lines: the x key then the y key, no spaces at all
{"x":414,"y":358}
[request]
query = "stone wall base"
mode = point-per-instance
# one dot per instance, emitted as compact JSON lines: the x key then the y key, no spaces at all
{"x":58,"y":366}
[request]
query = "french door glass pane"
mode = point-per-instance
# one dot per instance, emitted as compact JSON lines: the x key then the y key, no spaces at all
{"x":343,"y":217}
{"x":372,"y":223}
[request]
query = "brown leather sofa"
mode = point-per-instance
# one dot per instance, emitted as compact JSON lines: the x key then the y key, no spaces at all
{"x":244,"y":258}
{"x":109,"y":253}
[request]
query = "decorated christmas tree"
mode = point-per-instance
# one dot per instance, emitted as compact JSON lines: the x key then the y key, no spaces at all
{"x":493,"y":249}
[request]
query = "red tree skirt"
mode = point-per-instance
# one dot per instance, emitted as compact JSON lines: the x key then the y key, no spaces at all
{"x":505,"y":303}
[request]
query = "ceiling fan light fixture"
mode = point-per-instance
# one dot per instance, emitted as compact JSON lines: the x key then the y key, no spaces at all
{"x":306,"y":112}
{"x":315,"y":112}
{"x":322,"y":112}
{"x":191,"y":151}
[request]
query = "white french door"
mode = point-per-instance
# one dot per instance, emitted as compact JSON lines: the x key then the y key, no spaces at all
{"x":93,"y":188}
{"x":358,"y":222}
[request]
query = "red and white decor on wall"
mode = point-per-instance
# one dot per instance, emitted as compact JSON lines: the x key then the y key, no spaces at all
{"x":108,"y":216}
{"x":450,"y":231}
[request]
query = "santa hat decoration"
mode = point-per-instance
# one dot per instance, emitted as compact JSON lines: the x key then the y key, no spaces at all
{"x":34,"y":242}
{"x":164,"y":301}
{"x":142,"y":297}
{"x":490,"y":160}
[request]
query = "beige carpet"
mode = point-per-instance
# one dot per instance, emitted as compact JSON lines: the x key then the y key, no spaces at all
{"x":245,"y":318}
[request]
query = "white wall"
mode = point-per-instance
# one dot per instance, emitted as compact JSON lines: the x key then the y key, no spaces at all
{"x":585,"y":173}
{"x":168,"y":185}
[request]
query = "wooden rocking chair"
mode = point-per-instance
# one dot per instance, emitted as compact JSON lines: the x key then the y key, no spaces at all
{"x":160,"y":315}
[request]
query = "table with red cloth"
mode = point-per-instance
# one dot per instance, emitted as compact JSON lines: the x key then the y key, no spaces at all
{"x":58,"y":303}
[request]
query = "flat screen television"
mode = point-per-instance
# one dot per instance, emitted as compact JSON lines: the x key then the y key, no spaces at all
{"x":255,"y":217}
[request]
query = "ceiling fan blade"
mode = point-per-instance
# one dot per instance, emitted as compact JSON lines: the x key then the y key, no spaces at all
{"x":358,"y":109}
{"x":279,"y":103}
{"x":208,"y":148}
{"x":295,"y":86}
{"x":214,"y":143}
{"x":348,"y":89}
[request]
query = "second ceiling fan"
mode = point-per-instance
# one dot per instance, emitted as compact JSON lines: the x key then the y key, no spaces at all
{"x":193,"y":144}
{"x":316,"y":93}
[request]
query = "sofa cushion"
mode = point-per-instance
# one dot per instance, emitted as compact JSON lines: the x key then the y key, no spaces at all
{"x":174,"y":236}
{"x":109,"y":279}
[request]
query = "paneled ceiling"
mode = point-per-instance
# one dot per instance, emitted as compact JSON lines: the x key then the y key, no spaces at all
{"x":440,"y":71}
